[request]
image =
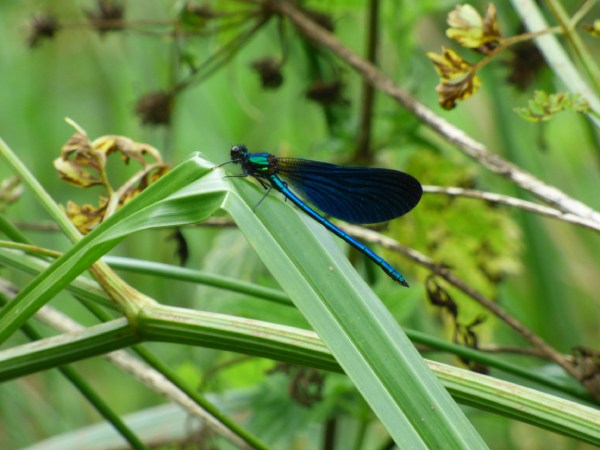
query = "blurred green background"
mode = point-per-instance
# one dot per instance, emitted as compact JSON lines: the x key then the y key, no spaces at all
{"x":542,"y":271}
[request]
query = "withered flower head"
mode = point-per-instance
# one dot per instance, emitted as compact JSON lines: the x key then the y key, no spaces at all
{"x":42,"y":27}
{"x":108,"y":16}
{"x":326,"y":92}
{"x":155,"y":108}
{"x":526,"y":63}
{"x":196,"y":17}
{"x":269,"y":70}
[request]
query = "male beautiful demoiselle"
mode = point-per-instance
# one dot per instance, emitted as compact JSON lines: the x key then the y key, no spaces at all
{"x":352,"y":194}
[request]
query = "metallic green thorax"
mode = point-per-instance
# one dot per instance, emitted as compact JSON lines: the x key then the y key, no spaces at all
{"x":259,"y":165}
{"x":263,"y":163}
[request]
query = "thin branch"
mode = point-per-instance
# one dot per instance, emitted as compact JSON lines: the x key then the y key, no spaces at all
{"x":499,"y":199}
{"x":493,"y":307}
{"x":580,"y":50}
{"x":363,"y":147}
{"x":506,"y":43}
{"x":216,"y":61}
{"x":517,"y":351}
{"x":224,"y":222}
{"x":514,"y":202}
{"x":37,"y":226}
{"x":581,"y":12}
{"x":492,"y":349}
{"x":449,"y":132}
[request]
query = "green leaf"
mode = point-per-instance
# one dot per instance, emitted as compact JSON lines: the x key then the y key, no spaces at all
{"x":253,"y":337}
{"x":358,"y":329}
{"x":172,"y":200}
{"x":308,"y":264}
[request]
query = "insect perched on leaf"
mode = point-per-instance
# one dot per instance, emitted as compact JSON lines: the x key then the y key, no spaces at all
{"x":352,"y":194}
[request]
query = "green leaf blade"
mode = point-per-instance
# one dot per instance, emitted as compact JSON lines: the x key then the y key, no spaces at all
{"x":352,"y":321}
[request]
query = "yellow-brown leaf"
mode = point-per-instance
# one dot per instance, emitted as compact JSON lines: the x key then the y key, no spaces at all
{"x":458,"y":78}
{"x":471,"y":31}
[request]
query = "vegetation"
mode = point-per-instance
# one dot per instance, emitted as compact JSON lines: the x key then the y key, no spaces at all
{"x":124,"y":246}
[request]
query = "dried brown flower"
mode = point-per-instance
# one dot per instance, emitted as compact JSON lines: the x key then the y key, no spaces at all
{"x":269,"y":70}
{"x":155,"y":108}
{"x":42,"y":27}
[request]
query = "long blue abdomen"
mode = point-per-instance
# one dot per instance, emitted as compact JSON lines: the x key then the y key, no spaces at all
{"x":278,"y":184}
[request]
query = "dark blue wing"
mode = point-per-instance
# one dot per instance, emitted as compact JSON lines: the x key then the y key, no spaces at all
{"x":352,"y":194}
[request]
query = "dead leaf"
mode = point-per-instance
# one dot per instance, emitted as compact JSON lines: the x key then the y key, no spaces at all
{"x":86,"y":217}
{"x":10,"y":191}
{"x":82,"y":163}
{"x":128,"y":149}
{"x":458,"y":78}
{"x":79,"y":164}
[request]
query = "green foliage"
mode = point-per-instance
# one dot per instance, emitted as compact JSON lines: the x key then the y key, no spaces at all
{"x":543,"y":106}
{"x":458,"y":226}
{"x":202,"y":76}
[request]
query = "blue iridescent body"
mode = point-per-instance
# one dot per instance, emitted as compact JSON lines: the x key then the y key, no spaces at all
{"x":352,"y":194}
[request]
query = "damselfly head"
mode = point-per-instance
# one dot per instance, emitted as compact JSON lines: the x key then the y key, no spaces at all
{"x":238,"y":153}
